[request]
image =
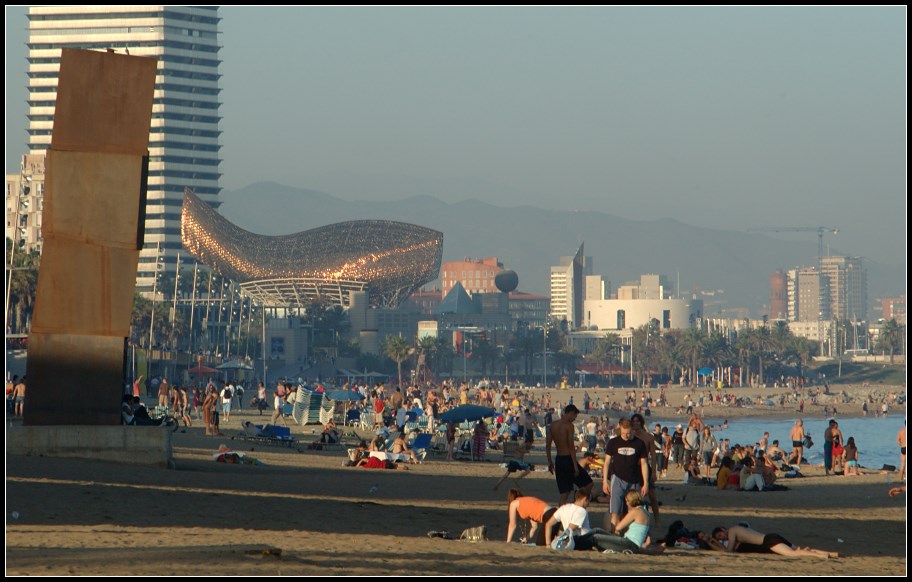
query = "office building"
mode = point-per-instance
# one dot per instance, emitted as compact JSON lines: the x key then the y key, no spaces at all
{"x":894,"y":308}
{"x":184,"y":150}
{"x":597,"y":288}
{"x":778,"y":296}
{"x":24,"y":203}
{"x":567,"y":292}
{"x":475,"y":275}
{"x":848,"y":280}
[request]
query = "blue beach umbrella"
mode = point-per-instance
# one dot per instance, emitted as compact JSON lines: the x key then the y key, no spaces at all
{"x":467,"y":412}
{"x":345,"y":395}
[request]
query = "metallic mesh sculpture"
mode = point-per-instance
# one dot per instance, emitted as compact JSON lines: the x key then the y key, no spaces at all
{"x":388,"y":259}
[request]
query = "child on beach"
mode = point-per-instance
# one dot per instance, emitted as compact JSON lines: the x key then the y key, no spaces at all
{"x":850,"y":459}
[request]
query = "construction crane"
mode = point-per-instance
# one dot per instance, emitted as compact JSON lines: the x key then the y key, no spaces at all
{"x":820,"y":230}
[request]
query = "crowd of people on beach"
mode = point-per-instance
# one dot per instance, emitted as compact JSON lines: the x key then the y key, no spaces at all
{"x":629,"y":470}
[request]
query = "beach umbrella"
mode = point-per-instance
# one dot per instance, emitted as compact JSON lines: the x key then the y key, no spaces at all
{"x":235,"y":365}
{"x":345,"y":395}
{"x":705,"y":371}
{"x":468,"y":412}
{"x":199,"y":369}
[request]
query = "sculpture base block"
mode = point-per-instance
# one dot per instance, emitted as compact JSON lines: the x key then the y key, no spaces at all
{"x":135,"y":445}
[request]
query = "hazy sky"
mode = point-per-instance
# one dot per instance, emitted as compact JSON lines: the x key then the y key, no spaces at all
{"x":722,"y":117}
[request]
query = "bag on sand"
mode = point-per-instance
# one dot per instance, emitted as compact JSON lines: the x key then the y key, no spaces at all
{"x":475,"y":534}
{"x":564,"y":541}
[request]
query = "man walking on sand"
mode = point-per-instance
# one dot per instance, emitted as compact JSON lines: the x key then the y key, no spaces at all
{"x":797,"y":441}
{"x":564,"y":467}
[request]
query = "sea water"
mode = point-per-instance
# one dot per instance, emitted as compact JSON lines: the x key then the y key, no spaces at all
{"x":875,"y":437}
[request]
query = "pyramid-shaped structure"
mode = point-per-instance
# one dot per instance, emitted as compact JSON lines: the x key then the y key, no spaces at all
{"x":457,"y":301}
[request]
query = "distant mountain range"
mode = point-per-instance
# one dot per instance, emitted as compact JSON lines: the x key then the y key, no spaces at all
{"x":529,"y":240}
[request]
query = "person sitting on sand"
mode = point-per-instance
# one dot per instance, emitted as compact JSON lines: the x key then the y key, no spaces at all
{"x":637,"y":524}
{"x":535,"y":510}
{"x":751,"y":476}
{"x":400,"y":447}
{"x":850,"y":459}
{"x":727,"y":478}
{"x":357,"y":454}
{"x":742,"y":539}
{"x":775,"y":453}
{"x":767,"y":467}
{"x":330,"y":433}
{"x":693,"y":474}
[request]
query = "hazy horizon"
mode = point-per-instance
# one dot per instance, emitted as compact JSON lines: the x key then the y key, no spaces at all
{"x":729,"y":118}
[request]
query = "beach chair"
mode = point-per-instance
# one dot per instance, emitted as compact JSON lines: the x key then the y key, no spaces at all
{"x":287,"y":412}
{"x":421,"y":445}
{"x":438,"y":445}
{"x":267,"y":435}
{"x":353,"y":417}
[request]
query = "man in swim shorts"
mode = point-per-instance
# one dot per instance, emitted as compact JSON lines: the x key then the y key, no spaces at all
{"x":565,"y":468}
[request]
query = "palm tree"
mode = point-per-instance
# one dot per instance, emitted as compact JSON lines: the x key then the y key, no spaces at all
{"x":691,"y":348}
{"x":397,"y":348}
{"x":604,"y":352}
{"x":761,"y":342}
{"x":716,"y":350}
{"x":22,"y":290}
{"x":800,"y":348}
{"x":890,"y":337}
{"x":668,"y":355}
{"x":527,"y":346}
{"x":744,"y":343}
{"x":426,"y":347}
{"x":486,"y":353}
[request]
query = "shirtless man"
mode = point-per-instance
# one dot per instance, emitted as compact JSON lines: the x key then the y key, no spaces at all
{"x":741,"y":539}
{"x":829,"y":436}
{"x":775,"y":453}
{"x":637,"y":423}
{"x":565,"y":467}
{"x":19,"y":397}
{"x":901,"y":441}
{"x":798,"y":440}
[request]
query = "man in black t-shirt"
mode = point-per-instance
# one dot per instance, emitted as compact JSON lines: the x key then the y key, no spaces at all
{"x":625,"y":462}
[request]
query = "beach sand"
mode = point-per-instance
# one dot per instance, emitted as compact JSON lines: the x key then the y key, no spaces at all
{"x":315,"y":517}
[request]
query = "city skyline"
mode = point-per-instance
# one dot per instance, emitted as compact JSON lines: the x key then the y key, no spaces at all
{"x":729,"y":118}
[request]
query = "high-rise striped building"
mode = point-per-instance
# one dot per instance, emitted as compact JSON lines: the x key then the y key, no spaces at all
{"x":184,"y":150}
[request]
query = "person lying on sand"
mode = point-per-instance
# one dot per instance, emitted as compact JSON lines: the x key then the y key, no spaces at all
{"x":742,"y":539}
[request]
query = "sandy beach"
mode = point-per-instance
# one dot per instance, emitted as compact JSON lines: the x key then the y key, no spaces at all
{"x":315,"y":517}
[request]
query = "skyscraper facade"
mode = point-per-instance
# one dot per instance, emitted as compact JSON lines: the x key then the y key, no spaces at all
{"x":475,"y":275}
{"x":778,"y":296}
{"x":848,"y":287}
{"x":184,"y":150}
{"x":567,"y":291}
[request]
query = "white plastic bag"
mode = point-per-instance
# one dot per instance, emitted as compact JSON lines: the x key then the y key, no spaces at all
{"x":564,"y":541}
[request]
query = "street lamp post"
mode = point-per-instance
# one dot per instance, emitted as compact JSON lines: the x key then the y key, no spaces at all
{"x":545,"y":356}
{"x":152,"y":317}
